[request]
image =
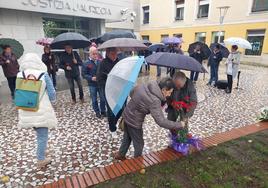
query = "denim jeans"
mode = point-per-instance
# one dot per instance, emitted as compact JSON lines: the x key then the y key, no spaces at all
{"x":72,"y":89}
{"x":94,"y":91}
{"x":42,"y":139}
{"x":214,"y":68}
{"x":194,"y":76}
{"x":12,"y":84}
{"x":158,"y":71}
{"x":112,"y":119}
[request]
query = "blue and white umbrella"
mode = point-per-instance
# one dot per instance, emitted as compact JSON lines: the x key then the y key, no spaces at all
{"x":121,"y":80}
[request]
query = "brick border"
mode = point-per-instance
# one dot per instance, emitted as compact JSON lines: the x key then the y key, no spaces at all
{"x":131,"y":165}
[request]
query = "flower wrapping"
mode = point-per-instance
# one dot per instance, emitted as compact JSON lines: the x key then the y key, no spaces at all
{"x":183,"y":141}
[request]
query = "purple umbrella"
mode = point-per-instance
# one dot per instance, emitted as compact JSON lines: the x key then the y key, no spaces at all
{"x":175,"y":61}
{"x":172,"y":40}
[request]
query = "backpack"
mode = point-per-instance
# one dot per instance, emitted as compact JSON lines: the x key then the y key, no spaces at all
{"x":221,"y":84}
{"x":27,"y":92}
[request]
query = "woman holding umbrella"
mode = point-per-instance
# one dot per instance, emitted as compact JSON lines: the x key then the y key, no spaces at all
{"x":49,"y":59}
{"x":10,"y":66}
{"x":232,"y":65}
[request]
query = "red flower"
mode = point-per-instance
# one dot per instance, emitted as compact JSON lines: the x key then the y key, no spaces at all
{"x":189,"y":135}
{"x":187,"y":98}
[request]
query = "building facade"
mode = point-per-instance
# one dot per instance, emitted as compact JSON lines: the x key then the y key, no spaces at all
{"x":30,"y":20}
{"x":199,"y":20}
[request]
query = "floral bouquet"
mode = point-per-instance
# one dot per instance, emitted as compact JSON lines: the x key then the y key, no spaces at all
{"x":183,"y":142}
{"x":264,"y":114}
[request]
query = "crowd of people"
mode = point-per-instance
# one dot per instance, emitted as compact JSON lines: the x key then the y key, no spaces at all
{"x":176,"y":91}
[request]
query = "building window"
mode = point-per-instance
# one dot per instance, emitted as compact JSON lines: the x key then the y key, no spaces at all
{"x":259,"y":5}
{"x":215,"y":36}
{"x":146,"y":14}
{"x":179,"y":9}
{"x":145,"y":37}
{"x":256,"y":38}
{"x":53,"y":27}
{"x":203,"y":9}
{"x":200,"y":37}
{"x":179,"y":35}
{"x":164,"y":36}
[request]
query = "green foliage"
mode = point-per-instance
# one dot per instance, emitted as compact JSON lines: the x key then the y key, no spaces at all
{"x":49,"y":29}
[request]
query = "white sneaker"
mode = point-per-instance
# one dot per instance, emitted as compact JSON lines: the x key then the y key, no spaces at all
{"x":43,"y":163}
{"x":114,"y":135}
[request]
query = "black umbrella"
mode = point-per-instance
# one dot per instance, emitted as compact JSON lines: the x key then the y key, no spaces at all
{"x":204,"y":48}
{"x":146,"y":42}
{"x":115,"y":34}
{"x":76,"y":40}
{"x":225,"y":52}
{"x":123,"y":44}
{"x":155,"y":47}
{"x":175,"y":61}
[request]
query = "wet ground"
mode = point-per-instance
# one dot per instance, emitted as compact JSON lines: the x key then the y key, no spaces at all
{"x":82,"y":141}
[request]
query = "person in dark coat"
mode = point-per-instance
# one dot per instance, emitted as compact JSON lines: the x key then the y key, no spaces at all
{"x":199,"y":56}
{"x":103,"y":70}
{"x":183,"y":100}
{"x":49,"y":59}
{"x":10,"y":66}
{"x":214,"y":62}
{"x":145,"y":99}
{"x":145,"y":53}
{"x":70,"y":62}
{"x":89,"y":72}
{"x":174,"y":48}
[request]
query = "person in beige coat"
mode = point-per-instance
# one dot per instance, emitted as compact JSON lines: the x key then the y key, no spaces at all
{"x":45,"y":117}
{"x":232,"y":66}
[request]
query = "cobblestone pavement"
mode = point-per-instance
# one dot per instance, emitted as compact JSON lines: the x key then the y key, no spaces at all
{"x":82,"y":141}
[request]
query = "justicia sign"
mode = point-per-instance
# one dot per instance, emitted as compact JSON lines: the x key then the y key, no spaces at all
{"x":74,"y":6}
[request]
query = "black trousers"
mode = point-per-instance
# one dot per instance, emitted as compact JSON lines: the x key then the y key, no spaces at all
{"x":12,"y":85}
{"x":230,"y":82}
{"x":72,"y":88}
{"x":53,"y":76}
{"x":112,"y":119}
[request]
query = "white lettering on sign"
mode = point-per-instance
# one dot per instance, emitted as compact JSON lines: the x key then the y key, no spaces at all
{"x":63,"y":5}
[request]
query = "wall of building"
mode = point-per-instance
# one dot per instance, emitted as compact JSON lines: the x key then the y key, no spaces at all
{"x":26,"y":27}
{"x":162,"y":15}
{"x":238,"y":20}
{"x":133,"y":6}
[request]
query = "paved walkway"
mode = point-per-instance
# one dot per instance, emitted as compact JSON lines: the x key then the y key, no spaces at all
{"x":82,"y":141}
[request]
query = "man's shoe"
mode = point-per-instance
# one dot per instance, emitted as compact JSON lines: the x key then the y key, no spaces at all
{"x":73,"y":101}
{"x":117,"y":156}
{"x":228,"y":91}
{"x":104,"y":114}
{"x":98,"y":115}
{"x":82,"y":101}
{"x":43,"y":163}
